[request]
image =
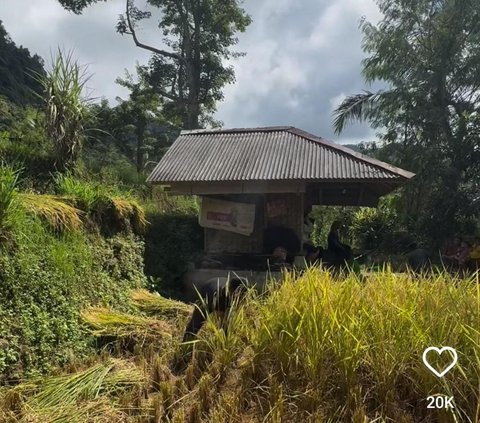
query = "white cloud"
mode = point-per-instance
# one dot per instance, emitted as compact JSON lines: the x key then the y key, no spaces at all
{"x":336,"y":101}
{"x":303,"y":57}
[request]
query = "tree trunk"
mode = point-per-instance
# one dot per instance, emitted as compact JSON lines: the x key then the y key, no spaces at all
{"x":140,"y":145}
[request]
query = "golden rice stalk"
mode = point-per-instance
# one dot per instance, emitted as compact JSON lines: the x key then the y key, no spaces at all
{"x":100,"y":410}
{"x":54,"y":210}
{"x":152,"y":303}
{"x":107,"y":322}
{"x":129,"y":210}
{"x":85,"y":396}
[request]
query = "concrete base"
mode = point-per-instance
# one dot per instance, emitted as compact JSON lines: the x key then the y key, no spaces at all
{"x":197,"y":277}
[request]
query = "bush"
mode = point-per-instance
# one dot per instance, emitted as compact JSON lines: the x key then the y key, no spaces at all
{"x":380,"y":228}
{"x":108,"y":207}
{"x":46,"y":278}
{"x":172,"y":238}
{"x":8,"y":193}
{"x":23,"y":143}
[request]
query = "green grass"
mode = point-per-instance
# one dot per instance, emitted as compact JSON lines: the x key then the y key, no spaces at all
{"x":316,"y":349}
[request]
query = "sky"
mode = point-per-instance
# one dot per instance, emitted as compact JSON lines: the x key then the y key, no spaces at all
{"x":303,"y":57}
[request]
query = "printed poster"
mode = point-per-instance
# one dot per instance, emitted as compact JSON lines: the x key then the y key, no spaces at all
{"x":227,"y":216}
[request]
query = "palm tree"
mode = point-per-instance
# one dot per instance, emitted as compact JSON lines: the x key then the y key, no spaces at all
{"x":366,"y":106}
{"x":65,"y":107}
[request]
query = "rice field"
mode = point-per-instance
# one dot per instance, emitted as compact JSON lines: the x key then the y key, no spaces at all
{"x":316,"y":348}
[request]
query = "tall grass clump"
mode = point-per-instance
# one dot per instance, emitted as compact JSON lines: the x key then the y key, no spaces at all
{"x":65,"y":107}
{"x":8,"y":192}
{"x":319,"y":349}
{"x":315,"y":348}
{"x":54,"y":211}
{"x":106,"y":206}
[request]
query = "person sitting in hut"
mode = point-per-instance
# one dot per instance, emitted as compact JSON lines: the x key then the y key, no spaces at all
{"x":215,"y":295}
{"x":341,"y":252}
{"x":474,"y":259}
{"x":459,"y":257}
{"x":418,"y":259}
{"x":450,"y":250}
{"x":463,"y":254}
{"x":312,"y":253}
{"x":279,"y":259}
{"x":281,"y":237}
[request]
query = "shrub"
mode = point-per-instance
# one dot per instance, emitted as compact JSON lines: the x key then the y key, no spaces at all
{"x":380,"y":228}
{"x":106,"y":206}
{"x":8,"y":192}
{"x":172,"y":238}
{"x":46,"y":278}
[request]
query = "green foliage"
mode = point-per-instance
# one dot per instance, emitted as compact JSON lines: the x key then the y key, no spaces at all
{"x":188,"y":70}
{"x":50,"y":270}
{"x":380,"y":228}
{"x":140,"y":114}
{"x":173,"y":237}
{"x":8,"y":192}
{"x":46,"y":280}
{"x":429,"y":113}
{"x":124,"y":142}
{"x":24,"y":143}
{"x":106,"y":206}
{"x":365,"y":228}
{"x":65,"y":107}
{"x":16,"y":69}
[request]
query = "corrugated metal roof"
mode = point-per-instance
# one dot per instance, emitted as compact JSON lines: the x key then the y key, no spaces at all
{"x":263,"y":154}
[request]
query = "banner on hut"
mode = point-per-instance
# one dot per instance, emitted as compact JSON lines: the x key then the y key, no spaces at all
{"x":227,"y":216}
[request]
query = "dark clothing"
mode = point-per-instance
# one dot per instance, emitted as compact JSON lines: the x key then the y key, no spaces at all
{"x":216,"y":294}
{"x":418,"y":259}
{"x":341,"y":252}
{"x":280,"y":236}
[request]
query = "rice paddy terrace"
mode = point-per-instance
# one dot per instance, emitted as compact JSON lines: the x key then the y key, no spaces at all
{"x":313,"y":349}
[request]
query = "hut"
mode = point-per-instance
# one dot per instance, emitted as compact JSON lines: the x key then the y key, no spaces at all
{"x":252,"y":179}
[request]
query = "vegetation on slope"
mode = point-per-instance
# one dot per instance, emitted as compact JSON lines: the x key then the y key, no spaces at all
{"x":54,"y":261}
{"x":314,"y":349}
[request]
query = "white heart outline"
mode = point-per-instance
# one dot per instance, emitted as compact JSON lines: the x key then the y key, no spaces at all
{"x":440,"y":351}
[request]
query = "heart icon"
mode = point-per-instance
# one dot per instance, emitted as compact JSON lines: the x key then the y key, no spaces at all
{"x":439,"y":351}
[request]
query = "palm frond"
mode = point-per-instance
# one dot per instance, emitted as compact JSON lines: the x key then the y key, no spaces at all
{"x":354,"y":107}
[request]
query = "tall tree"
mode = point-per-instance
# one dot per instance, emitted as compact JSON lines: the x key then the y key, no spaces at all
{"x":427,"y":52}
{"x":141,"y":113}
{"x":188,"y":67}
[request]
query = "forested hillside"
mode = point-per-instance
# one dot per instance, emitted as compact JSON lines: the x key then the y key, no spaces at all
{"x":17,"y":71}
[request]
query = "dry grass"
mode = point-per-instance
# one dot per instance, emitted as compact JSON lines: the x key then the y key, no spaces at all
{"x":155,"y":304}
{"x":315,"y":349}
{"x":105,"y":322}
{"x":131,"y":211}
{"x":86,"y":396}
{"x":55,"y":211}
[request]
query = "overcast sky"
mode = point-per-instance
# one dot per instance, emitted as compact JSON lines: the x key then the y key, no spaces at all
{"x":303,"y":56}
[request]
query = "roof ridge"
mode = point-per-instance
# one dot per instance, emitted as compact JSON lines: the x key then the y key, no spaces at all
{"x":350,"y":152}
{"x":230,"y":130}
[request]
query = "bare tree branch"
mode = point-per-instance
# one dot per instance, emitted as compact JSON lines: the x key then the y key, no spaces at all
{"x":132,"y":32}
